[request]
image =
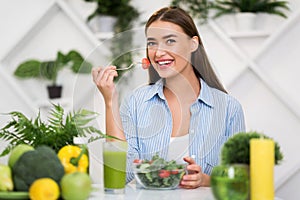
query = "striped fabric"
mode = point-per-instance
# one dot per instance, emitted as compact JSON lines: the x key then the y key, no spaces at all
{"x":147,"y":123}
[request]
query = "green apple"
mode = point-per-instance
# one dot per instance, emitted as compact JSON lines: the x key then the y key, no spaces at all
{"x":6,"y":183}
{"x":16,"y":153}
{"x":76,"y":186}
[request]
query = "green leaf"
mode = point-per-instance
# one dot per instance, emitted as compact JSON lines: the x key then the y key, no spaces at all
{"x":58,"y":131}
{"x":78,"y":64}
{"x":263,"y":6}
{"x":237,"y":148}
{"x":49,"y":70}
{"x":61,"y":58}
{"x":200,"y":9}
{"x":28,"y":69}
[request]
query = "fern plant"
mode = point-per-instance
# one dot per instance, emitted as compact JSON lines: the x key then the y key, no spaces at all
{"x":56,"y":133}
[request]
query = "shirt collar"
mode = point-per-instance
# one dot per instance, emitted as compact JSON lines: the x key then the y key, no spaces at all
{"x":156,"y":89}
{"x":205,"y":95}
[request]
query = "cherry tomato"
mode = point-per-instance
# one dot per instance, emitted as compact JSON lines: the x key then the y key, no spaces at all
{"x":145,"y":63}
{"x":164,"y":173}
{"x":175,"y":171}
{"x":136,"y":161}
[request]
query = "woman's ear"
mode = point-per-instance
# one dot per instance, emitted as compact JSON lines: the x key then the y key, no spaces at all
{"x":194,"y":43}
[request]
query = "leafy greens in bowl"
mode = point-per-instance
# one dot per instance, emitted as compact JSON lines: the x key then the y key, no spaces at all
{"x":158,"y":173}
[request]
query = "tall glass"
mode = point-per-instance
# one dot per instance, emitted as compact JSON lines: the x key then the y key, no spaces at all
{"x":114,"y":158}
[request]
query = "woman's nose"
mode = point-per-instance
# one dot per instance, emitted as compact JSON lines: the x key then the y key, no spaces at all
{"x":160,"y":51}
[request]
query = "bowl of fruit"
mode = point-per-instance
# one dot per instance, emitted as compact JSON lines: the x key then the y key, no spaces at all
{"x":158,"y":173}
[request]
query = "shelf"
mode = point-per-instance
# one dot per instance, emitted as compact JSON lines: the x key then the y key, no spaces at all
{"x":74,"y":35}
{"x":104,"y":35}
{"x":248,"y":34}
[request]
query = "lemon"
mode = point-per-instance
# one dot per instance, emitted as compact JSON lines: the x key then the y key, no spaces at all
{"x":44,"y":189}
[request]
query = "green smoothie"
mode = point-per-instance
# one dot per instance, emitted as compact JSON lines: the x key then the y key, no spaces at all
{"x":114,"y":169}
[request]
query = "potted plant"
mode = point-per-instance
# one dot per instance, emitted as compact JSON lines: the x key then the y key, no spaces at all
{"x":237,"y":149}
{"x":104,"y":18}
{"x":246,"y":10}
{"x":125,"y":15}
{"x":231,"y":178}
{"x":60,"y":129}
{"x":49,"y":69}
{"x":122,"y":13}
{"x":200,"y":9}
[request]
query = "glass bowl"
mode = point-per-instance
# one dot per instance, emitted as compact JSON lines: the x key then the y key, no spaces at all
{"x":157,"y":176}
{"x":230,"y":182}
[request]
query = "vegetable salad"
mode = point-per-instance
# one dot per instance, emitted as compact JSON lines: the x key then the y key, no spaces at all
{"x":158,"y":173}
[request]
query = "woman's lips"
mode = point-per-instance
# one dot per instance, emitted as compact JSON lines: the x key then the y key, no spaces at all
{"x":164,"y":64}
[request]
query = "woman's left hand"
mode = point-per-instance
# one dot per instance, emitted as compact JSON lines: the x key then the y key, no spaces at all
{"x":195,"y":178}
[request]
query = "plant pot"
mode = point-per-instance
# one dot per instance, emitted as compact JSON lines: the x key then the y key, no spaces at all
{"x":231,"y":182}
{"x":54,"y":91}
{"x":103,"y":24}
{"x":245,"y":21}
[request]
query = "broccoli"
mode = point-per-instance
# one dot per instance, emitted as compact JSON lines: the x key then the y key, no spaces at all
{"x":42,"y":162}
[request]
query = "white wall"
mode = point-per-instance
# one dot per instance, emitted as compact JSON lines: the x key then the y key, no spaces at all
{"x":260,"y":71}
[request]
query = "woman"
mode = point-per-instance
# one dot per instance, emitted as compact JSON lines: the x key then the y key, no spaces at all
{"x":184,"y":101}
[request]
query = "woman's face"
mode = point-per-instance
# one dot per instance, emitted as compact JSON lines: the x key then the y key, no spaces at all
{"x":169,"y":48}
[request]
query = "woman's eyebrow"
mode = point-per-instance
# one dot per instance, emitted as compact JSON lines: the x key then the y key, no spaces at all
{"x":164,"y":37}
{"x":150,"y":38}
{"x":168,"y":36}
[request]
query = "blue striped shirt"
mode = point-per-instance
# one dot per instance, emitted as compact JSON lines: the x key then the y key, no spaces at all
{"x":147,"y":123}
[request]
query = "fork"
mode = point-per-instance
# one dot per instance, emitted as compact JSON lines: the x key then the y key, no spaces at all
{"x":129,"y":67}
{"x":145,"y":61}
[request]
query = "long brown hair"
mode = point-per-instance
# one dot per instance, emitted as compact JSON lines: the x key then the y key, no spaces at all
{"x":199,"y":59}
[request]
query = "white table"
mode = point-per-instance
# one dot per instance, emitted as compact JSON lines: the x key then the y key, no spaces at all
{"x":132,"y":192}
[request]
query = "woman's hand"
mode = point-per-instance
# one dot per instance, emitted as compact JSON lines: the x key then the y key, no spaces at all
{"x":104,"y":79}
{"x":195,"y":178}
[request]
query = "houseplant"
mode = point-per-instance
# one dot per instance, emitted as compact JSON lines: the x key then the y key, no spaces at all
{"x":58,"y":131}
{"x":237,"y":149}
{"x":200,"y":9}
{"x":122,"y":10}
{"x":246,"y":10}
{"x":125,"y":14}
{"x":49,"y":69}
{"x":254,"y":6}
{"x":230,"y":179}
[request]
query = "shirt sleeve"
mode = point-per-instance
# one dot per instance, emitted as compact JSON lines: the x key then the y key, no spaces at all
{"x":237,"y":120}
{"x":129,"y":128}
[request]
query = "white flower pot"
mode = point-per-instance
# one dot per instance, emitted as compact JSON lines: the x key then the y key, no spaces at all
{"x":102,"y":24}
{"x":245,"y":21}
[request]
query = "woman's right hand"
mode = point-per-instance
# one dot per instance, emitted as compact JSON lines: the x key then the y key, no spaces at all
{"x":104,"y":80}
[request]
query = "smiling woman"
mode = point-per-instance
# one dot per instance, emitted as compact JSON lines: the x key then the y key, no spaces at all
{"x":183,"y":99}
{"x":165,"y":37}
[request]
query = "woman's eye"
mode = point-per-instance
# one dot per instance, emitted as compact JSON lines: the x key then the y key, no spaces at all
{"x":170,"y":41}
{"x":151,"y":43}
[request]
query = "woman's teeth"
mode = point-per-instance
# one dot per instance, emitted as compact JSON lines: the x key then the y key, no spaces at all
{"x":164,"y":62}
